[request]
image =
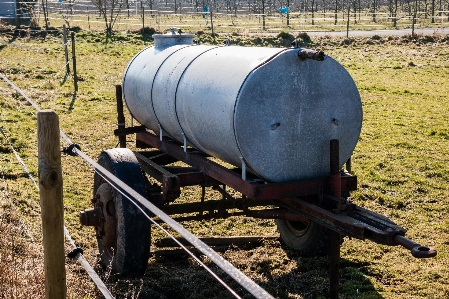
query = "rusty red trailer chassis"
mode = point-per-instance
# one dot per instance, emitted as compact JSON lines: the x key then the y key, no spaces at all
{"x":330,"y":211}
{"x":319,"y":200}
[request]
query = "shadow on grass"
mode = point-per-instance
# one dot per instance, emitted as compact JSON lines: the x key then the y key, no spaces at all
{"x":310,"y":279}
{"x":177,"y":276}
{"x":10,"y":41}
{"x":64,"y":79}
{"x":72,"y":103}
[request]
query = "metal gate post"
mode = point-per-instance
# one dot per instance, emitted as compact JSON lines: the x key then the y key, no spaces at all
{"x":120,"y":115}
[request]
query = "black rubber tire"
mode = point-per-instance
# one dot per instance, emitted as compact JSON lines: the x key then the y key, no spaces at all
{"x":132,"y":250}
{"x":307,"y":239}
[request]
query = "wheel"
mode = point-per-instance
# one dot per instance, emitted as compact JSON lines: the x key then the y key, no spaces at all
{"x":306,"y":238}
{"x":123,"y":235}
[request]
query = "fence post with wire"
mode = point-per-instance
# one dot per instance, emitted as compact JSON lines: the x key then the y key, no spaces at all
{"x":75,"y":77}
{"x":66,"y":50}
{"x":52,"y":206}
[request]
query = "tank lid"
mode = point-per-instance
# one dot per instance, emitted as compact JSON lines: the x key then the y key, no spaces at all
{"x":172,"y":37}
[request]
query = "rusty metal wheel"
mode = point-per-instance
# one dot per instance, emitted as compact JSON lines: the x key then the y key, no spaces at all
{"x":123,"y":233}
{"x":307,"y":238}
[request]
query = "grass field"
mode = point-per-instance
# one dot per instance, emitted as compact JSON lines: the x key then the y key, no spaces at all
{"x":401,"y":162}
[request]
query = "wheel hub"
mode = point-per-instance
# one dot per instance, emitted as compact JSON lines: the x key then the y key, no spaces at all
{"x":298,"y":228}
{"x":102,"y":216}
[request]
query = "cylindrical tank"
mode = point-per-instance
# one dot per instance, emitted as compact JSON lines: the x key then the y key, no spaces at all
{"x":264,"y":106}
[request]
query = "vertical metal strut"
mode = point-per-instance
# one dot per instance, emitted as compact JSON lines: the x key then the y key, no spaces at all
{"x":335,"y":236}
{"x":120,"y":115}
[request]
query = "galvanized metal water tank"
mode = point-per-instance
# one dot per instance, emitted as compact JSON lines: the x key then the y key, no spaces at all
{"x":265,"y":105}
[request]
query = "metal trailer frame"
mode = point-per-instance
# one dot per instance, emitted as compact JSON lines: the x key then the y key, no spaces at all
{"x":321,"y":200}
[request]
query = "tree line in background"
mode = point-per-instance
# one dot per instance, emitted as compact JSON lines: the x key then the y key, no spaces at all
{"x":313,"y":9}
{"x":424,"y":8}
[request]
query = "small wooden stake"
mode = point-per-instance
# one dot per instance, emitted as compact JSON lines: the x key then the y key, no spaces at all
{"x":75,"y":77}
{"x":52,"y":209}
{"x":66,"y":50}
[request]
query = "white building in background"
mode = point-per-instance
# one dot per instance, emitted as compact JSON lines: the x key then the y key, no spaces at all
{"x":7,"y":9}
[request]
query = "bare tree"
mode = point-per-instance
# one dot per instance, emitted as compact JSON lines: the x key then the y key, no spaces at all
{"x":45,"y":10}
{"x":235,"y":6}
{"x":150,"y":4}
{"x":393,"y":9}
{"x":260,"y":8}
{"x":312,"y":4}
{"x":336,"y":12}
{"x":433,"y":11}
{"x":110,"y":10}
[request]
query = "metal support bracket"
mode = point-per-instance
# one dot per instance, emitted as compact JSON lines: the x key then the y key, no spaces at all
{"x":243,"y":168}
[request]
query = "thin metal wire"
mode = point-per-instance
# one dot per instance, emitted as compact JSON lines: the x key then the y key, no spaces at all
{"x":32,"y":103}
{"x":93,"y":275}
{"x":22,"y":223}
{"x":19,"y":159}
{"x":21,"y":92}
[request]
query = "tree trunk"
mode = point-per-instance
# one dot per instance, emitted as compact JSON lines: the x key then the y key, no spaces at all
{"x":395,"y":13}
{"x":263,"y":14}
{"x":313,"y":12}
{"x":44,"y":8}
{"x":336,"y":12}
{"x":433,"y":11}
{"x":347,"y":21}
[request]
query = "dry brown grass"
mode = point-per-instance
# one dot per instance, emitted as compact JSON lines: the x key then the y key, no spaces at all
{"x":21,"y":259}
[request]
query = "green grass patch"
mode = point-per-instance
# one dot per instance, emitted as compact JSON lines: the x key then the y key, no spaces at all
{"x":401,"y":162}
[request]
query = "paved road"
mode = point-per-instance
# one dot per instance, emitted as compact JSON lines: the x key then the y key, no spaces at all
{"x":400,"y":32}
{"x":424,"y":31}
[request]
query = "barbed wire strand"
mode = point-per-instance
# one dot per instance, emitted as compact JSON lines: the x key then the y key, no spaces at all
{"x":226,"y":266}
{"x":20,"y":92}
{"x":54,"y":77}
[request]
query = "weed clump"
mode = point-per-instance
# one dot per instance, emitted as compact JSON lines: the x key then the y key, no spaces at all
{"x":347,"y":42}
{"x":285,"y":35}
{"x":285,"y":38}
{"x":427,"y":39}
{"x":304,"y":38}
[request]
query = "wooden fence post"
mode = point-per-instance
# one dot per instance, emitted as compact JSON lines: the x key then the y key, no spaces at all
{"x":52,"y":209}
{"x":212,"y":23}
{"x":75,"y":77}
{"x":66,"y":50}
